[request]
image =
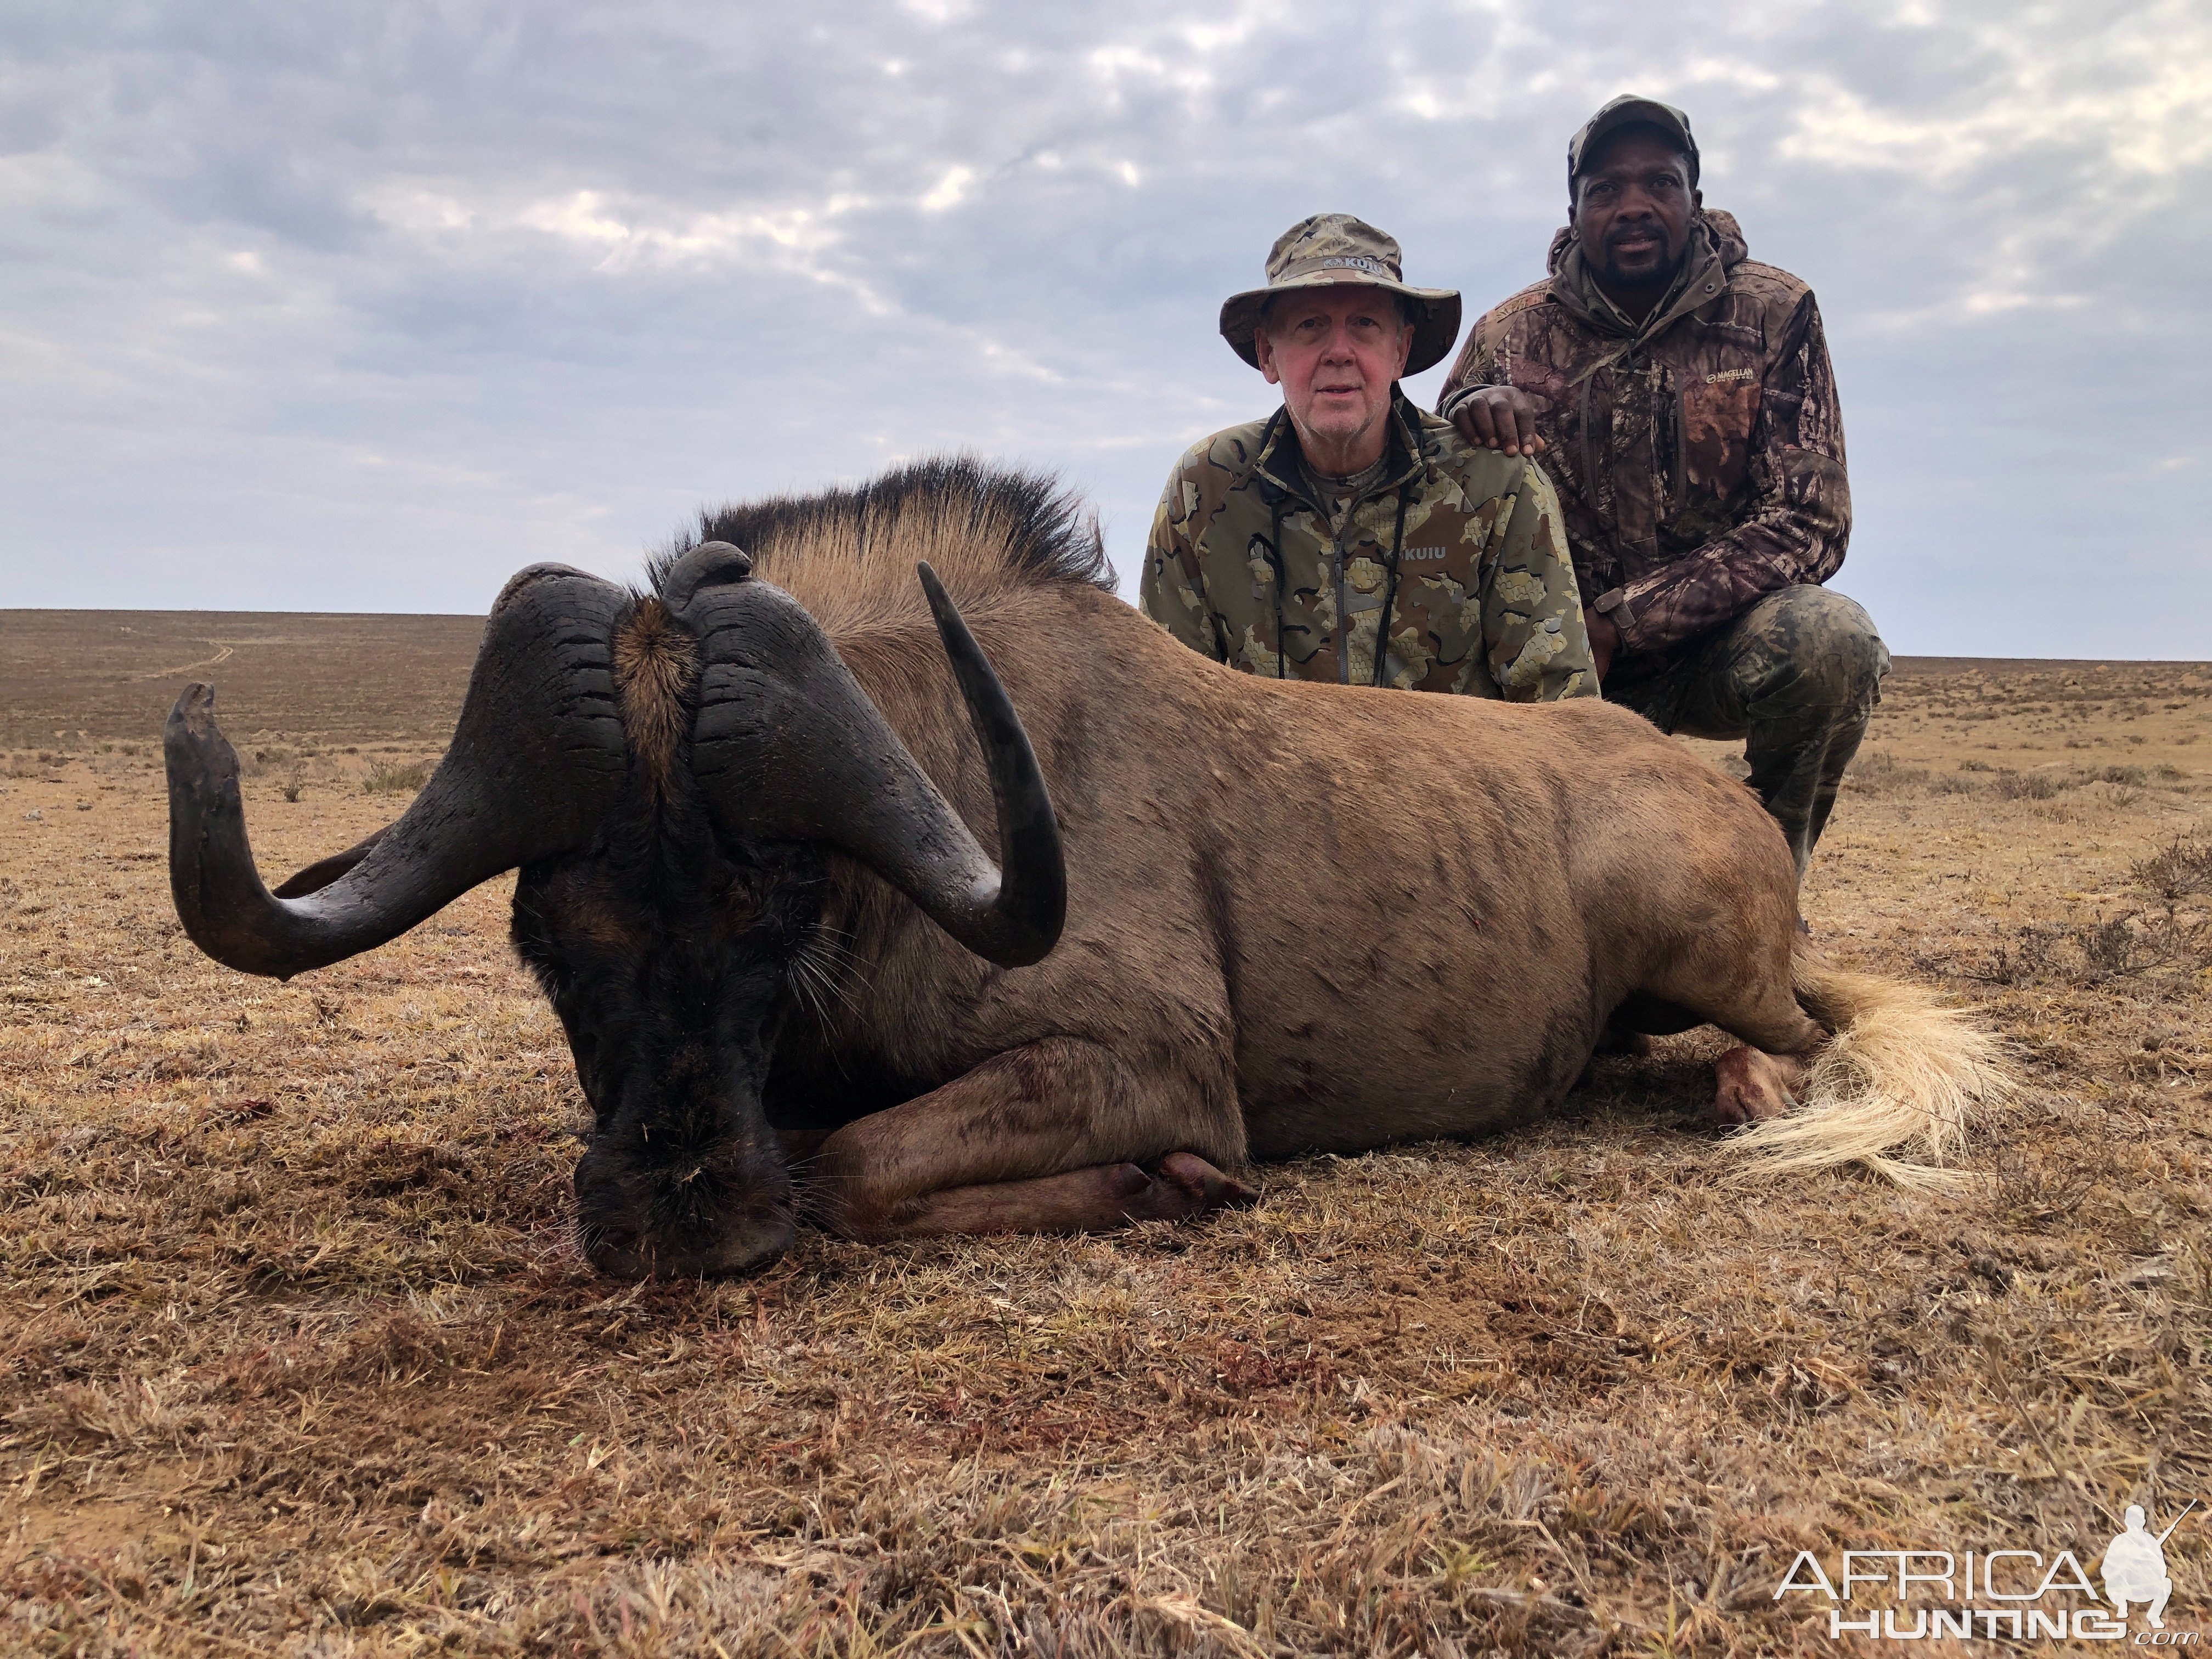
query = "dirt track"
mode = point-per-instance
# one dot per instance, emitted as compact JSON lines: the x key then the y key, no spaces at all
{"x":301,"y":1358}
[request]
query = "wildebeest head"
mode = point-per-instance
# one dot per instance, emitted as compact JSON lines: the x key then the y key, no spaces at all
{"x":665,"y":771}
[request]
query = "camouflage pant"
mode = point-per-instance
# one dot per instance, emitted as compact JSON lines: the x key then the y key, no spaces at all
{"x":1798,"y":674}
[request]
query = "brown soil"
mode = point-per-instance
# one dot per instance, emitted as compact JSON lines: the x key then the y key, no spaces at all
{"x":301,"y":1358}
{"x":86,"y":676}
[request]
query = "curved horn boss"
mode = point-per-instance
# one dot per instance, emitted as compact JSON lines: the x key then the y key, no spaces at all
{"x":786,"y":743}
{"x":536,"y":760}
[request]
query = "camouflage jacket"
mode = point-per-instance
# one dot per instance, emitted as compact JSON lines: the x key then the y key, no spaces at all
{"x":1456,"y":555}
{"x":1699,"y":456}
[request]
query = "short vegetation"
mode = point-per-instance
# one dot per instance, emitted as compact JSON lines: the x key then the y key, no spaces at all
{"x":302,"y":1359}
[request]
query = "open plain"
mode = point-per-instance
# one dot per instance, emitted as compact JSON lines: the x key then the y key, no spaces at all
{"x":300,"y":1358}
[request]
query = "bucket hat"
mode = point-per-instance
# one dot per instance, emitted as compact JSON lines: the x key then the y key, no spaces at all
{"x":1334,"y":247}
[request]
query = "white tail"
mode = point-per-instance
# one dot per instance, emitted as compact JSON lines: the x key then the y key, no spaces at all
{"x":1902,"y":1071}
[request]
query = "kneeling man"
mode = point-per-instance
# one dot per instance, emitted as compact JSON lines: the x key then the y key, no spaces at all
{"x":1349,"y":537}
{"x":1681,"y":394}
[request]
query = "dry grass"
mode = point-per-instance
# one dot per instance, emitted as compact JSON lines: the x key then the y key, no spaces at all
{"x":302,"y":1359}
{"x":388,"y":777}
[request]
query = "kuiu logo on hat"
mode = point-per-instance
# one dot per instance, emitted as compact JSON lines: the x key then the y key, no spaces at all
{"x":1334,"y":247}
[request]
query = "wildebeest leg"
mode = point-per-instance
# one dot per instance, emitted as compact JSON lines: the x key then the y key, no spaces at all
{"x":1739,"y":978}
{"x":1097,"y":1199}
{"x":1054,"y":1137}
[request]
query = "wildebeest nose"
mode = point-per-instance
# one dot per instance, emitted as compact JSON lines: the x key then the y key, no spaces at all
{"x":752,"y":1243}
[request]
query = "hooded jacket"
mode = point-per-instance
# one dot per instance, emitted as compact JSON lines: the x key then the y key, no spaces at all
{"x":1453,"y":556}
{"x":1698,"y":455}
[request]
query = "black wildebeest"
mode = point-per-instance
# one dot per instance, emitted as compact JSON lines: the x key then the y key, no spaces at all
{"x":1287,"y":916}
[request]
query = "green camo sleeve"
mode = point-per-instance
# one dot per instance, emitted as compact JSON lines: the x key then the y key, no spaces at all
{"x":1532,"y":612}
{"x":1170,"y":591}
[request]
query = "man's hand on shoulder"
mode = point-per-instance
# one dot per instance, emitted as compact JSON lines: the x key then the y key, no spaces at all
{"x":1604,"y":638}
{"x":1499,"y":418}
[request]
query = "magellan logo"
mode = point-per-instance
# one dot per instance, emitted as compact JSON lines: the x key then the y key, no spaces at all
{"x":1988,"y":1594}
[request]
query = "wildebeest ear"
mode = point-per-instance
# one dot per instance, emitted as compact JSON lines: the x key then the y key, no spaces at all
{"x":710,"y":564}
{"x":323,"y":872}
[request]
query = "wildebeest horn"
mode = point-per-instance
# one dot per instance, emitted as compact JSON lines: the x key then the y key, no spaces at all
{"x":536,"y":759}
{"x":788,"y":742}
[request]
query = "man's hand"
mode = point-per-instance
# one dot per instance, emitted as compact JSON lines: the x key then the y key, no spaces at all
{"x":1500,"y":417}
{"x":1604,"y":638}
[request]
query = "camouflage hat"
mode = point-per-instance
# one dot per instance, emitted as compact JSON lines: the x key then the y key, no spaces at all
{"x":1335,"y":247}
{"x":1629,"y":111}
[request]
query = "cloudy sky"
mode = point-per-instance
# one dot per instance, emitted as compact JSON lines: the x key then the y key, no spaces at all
{"x":362,"y":305}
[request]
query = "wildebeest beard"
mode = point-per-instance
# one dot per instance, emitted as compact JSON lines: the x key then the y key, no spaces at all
{"x":665,"y":950}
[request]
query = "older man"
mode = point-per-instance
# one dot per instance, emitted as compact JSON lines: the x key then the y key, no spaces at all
{"x":1682,"y":396}
{"x":1349,"y":537}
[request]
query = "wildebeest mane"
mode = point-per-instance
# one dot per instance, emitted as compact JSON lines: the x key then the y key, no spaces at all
{"x":848,"y":553}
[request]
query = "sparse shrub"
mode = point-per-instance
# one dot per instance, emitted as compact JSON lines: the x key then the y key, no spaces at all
{"x":2111,"y":947}
{"x":2023,"y":960}
{"x":2180,"y":870}
{"x":1976,"y":766}
{"x":1877,"y":772}
{"x":294,"y":785}
{"x":2026,"y":786}
{"x":2167,"y":938}
{"x":2131,"y":775}
{"x":386,"y":777}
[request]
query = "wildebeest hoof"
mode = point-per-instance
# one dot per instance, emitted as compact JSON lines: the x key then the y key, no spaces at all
{"x":1204,"y":1187}
{"x":1755,"y":1085}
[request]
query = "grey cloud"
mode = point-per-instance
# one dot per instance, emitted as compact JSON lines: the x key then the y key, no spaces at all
{"x":363,"y":305}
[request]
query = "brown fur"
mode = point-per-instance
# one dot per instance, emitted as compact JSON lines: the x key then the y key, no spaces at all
{"x":656,"y":667}
{"x":848,"y":555}
{"x":1300,"y":916}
